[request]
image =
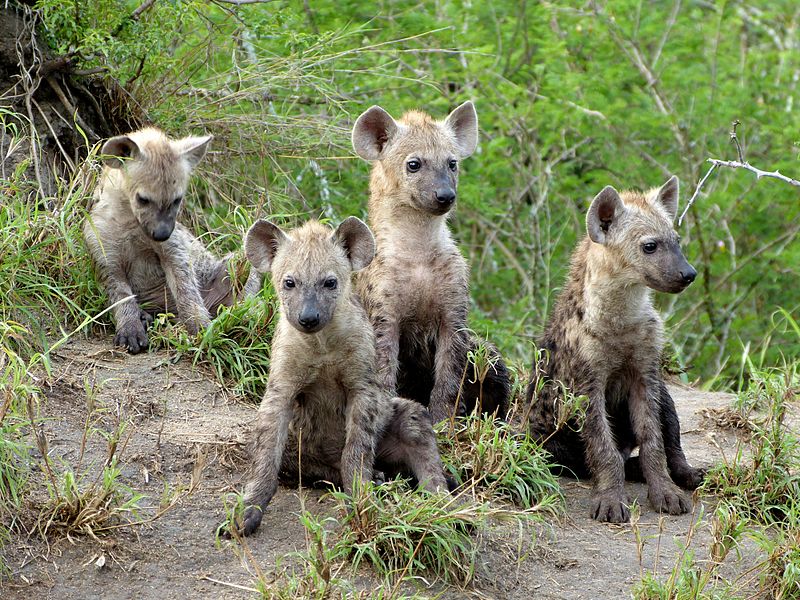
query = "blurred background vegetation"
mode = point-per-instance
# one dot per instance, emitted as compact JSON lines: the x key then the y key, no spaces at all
{"x":571,"y":96}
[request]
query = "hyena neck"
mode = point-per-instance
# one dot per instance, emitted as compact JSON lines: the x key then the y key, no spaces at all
{"x":403,"y":227}
{"x":613,"y":299}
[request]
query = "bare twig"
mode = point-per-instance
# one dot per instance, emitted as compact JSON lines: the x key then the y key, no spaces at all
{"x":696,"y":192}
{"x":741,"y":163}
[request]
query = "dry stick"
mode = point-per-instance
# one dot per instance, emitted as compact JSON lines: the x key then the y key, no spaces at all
{"x":741,"y":163}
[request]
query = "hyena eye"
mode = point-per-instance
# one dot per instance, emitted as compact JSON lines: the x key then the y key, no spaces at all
{"x":177,"y":201}
{"x":142,"y":200}
{"x":288,"y":283}
{"x":413,"y":165}
{"x":649,"y":247}
{"x":330,"y":283}
{"x":453,"y":164}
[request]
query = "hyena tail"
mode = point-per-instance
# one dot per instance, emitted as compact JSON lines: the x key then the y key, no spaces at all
{"x":487,"y":382}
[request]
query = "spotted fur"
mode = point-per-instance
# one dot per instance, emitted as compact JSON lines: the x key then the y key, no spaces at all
{"x":416,"y":290}
{"x":324,"y":414}
{"x":605,"y":340}
{"x":139,"y":250}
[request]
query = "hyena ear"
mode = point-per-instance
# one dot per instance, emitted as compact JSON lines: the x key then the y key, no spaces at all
{"x":357,"y":240}
{"x":261,"y":243}
{"x":193,"y":149}
{"x":668,"y":196}
{"x":117,"y":149}
{"x":605,"y":210}
{"x":463,"y":122}
{"x":372,"y":131}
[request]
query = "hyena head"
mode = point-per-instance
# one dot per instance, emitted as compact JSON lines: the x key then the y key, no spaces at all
{"x":418,"y":156}
{"x":156,"y":173}
{"x":636,"y":231}
{"x":310,"y":266}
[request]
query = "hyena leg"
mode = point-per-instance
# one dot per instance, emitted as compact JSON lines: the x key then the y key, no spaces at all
{"x":664,"y":495}
{"x":387,"y":349}
{"x":131,"y":321}
{"x":568,"y":454}
{"x":451,"y":358}
{"x":267,"y":449}
{"x":492,"y":394}
{"x":409,"y":444}
{"x":183,"y":286}
{"x":682,"y":473}
{"x":605,"y":463}
{"x":363,"y":419}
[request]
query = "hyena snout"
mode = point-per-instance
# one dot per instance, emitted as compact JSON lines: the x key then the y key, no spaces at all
{"x":309,"y":318}
{"x":162,"y":231}
{"x":445,"y":197}
{"x":673,"y":275}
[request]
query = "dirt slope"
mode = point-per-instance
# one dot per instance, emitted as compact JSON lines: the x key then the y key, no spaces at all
{"x":186,"y":433}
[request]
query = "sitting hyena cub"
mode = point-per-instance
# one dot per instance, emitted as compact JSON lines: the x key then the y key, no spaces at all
{"x":323,"y":399}
{"x":416,"y":289}
{"x":138,"y":248}
{"x":604,"y":340}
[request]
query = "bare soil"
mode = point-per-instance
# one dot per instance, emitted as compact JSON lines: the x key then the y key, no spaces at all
{"x":186,"y":432}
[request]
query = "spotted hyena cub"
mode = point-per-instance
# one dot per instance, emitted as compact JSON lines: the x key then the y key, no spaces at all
{"x":138,"y":248}
{"x":323,"y":399}
{"x":416,"y":290}
{"x":605,"y":340}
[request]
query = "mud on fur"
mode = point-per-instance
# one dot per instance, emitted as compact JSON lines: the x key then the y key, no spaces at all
{"x":323,"y":400}
{"x":138,"y":247}
{"x":605,"y":340}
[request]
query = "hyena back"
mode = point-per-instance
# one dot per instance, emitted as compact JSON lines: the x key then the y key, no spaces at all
{"x":416,"y":289}
{"x":323,"y":399}
{"x":605,"y":340}
{"x":138,"y":247}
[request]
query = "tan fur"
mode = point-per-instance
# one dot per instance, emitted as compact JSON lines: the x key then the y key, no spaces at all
{"x":605,"y":340}
{"x":136,"y":202}
{"x":416,"y":289}
{"x":323,"y":401}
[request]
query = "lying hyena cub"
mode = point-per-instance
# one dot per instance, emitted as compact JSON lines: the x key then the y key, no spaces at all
{"x":137,"y":247}
{"x":416,"y":289}
{"x":605,"y":340}
{"x":322,"y":397}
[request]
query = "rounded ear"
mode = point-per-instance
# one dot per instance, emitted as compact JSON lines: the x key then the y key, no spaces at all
{"x":605,"y":211}
{"x":193,"y":149}
{"x":668,"y":196}
{"x":372,"y":131}
{"x":117,"y":149}
{"x":261,"y":243}
{"x":463,"y":122}
{"x":357,"y":240}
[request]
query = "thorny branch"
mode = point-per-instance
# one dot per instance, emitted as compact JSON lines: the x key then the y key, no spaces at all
{"x":741,"y":163}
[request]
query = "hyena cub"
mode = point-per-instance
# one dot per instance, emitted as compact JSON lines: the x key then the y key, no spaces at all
{"x":323,"y":399}
{"x":604,"y":340}
{"x":416,"y":289}
{"x":138,"y":248}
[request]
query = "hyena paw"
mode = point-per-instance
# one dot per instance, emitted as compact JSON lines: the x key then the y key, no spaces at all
{"x":131,"y":335}
{"x":378,"y":477}
{"x":689,"y":478}
{"x":197,"y":323}
{"x":669,"y":499}
{"x":610,"y":507}
{"x":146,"y":318}
{"x":251,"y":520}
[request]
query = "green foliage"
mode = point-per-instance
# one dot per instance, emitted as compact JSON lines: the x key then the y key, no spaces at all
{"x":570,"y":97}
{"x":494,"y":461}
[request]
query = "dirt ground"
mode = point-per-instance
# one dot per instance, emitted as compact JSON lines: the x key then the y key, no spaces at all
{"x":187,"y":433}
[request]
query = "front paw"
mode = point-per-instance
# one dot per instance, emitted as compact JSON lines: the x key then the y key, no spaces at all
{"x":668,"y":498}
{"x":689,"y":478}
{"x":246,"y":525}
{"x":610,"y":507}
{"x":197,"y":322}
{"x":132,"y":336}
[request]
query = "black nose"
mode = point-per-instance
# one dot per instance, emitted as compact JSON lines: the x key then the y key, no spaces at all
{"x":308,"y":320}
{"x":688,"y":276}
{"x":446,"y":196}
{"x":162,"y":233}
